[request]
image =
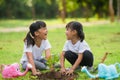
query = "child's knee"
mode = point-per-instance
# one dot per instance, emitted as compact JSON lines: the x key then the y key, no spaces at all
{"x":67,"y":53}
{"x":24,"y":66}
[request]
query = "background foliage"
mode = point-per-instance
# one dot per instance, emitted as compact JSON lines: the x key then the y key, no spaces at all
{"x":52,"y":8}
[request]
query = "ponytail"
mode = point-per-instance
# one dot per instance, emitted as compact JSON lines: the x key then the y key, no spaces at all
{"x":29,"y":39}
{"x":81,"y":35}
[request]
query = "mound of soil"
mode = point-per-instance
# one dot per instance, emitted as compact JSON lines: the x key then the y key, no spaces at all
{"x":56,"y":75}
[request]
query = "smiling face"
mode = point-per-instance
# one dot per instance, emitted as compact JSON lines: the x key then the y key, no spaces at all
{"x":42,"y":33}
{"x":70,"y":33}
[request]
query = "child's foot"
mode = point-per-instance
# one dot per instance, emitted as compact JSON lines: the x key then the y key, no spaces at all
{"x":90,"y":69}
{"x":78,"y":68}
{"x":47,"y":68}
{"x":57,"y":65}
{"x":67,"y":68}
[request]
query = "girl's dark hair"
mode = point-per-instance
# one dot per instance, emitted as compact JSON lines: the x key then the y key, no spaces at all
{"x":74,"y":25}
{"x":30,"y":35}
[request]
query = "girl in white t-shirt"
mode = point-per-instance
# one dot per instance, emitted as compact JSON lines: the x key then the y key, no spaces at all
{"x":35,"y":43}
{"x":75,"y":50}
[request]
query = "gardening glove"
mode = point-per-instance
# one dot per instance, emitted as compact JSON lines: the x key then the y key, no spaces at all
{"x":70,"y":72}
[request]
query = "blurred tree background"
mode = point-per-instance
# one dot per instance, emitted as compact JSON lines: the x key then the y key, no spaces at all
{"x":36,"y":9}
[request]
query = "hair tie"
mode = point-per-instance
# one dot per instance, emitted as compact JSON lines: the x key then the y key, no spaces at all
{"x":31,"y":35}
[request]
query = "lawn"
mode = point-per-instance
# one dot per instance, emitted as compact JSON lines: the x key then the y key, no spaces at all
{"x":101,"y":38}
{"x":13,"y":23}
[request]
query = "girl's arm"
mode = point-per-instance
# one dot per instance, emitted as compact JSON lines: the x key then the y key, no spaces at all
{"x":31,"y":61}
{"x":47,"y":54}
{"x":62,"y":60}
{"x":77,"y":62}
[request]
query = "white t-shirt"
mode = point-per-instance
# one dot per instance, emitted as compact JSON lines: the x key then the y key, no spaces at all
{"x":35,"y":50}
{"x":78,"y":47}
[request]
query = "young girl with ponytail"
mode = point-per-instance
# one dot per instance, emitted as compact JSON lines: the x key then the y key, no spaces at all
{"x":76,"y":49}
{"x":35,"y":43}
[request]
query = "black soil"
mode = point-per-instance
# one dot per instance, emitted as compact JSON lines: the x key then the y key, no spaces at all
{"x":55,"y":75}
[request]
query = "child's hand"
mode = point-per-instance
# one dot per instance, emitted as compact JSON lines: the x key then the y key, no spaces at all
{"x":70,"y":72}
{"x":62,"y":70}
{"x":37,"y":73}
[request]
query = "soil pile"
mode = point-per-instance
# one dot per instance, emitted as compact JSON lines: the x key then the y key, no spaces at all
{"x":56,"y":75}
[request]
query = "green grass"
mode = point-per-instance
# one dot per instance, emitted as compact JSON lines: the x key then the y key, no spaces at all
{"x":13,"y":23}
{"x":101,"y":39}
